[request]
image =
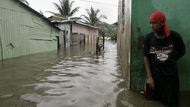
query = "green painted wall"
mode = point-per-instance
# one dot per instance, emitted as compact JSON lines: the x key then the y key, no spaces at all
{"x":23,"y":32}
{"x":177,"y":13}
{"x":133,"y":20}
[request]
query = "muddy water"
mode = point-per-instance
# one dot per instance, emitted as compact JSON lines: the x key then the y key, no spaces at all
{"x":69,"y":78}
{"x":73,"y":77}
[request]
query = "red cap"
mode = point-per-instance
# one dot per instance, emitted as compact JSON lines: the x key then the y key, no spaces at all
{"x":159,"y":16}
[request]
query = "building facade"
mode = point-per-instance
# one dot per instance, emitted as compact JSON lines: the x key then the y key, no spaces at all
{"x":24,"y":31}
{"x":77,"y":33}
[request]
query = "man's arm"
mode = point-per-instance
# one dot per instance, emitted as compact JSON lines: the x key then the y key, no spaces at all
{"x":180,"y":47}
{"x":150,"y":79}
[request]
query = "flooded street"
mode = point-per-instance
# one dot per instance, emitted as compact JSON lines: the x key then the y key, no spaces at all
{"x":70,"y":78}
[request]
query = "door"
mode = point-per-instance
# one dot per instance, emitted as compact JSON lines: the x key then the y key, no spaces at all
{"x":64,"y":39}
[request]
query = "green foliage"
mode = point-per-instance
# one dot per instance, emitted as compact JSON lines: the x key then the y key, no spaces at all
{"x":92,"y":17}
{"x":109,"y":29}
{"x":64,"y":8}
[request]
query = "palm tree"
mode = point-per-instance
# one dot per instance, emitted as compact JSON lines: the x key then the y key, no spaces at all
{"x":64,"y":8}
{"x":92,"y":17}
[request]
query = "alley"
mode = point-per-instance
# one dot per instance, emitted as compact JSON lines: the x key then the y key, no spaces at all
{"x":69,"y":78}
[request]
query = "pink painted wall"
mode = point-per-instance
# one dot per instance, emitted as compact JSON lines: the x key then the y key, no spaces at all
{"x":90,"y":33}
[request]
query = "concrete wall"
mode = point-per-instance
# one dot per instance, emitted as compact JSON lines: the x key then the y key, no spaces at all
{"x":124,"y":37}
{"x":90,"y":33}
{"x":177,"y":13}
{"x":23,"y":32}
{"x":74,"y":31}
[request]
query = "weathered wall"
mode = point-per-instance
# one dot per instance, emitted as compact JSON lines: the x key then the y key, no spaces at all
{"x":77,"y":28}
{"x":124,"y":37}
{"x":177,"y":13}
{"x":90,"y":33}
{"x":23,"y":32}
{"x":66,"y":27}
{"x":140,"y":27}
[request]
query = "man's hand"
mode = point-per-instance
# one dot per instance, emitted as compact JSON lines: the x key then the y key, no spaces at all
{"x":150,"y":82}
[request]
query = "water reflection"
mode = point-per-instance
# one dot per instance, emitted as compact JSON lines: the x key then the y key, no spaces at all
{"x":74,"y":77}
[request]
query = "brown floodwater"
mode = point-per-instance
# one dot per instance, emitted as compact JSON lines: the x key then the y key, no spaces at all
{"x":72,"y":77}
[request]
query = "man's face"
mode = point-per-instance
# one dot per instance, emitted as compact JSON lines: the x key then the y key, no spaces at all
{"x":156,"y":26}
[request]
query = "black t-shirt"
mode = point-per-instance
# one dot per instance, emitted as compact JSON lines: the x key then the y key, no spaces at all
{"x":163,"y":53}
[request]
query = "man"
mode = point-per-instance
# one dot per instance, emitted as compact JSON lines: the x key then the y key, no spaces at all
{"x":162,"y":49}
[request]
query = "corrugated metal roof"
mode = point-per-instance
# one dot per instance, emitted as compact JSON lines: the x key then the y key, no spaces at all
{"x":80,"y":23}
{"x":37,"y":13}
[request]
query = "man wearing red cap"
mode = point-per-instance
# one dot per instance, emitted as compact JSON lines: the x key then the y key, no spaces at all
{"x":162,"y":49}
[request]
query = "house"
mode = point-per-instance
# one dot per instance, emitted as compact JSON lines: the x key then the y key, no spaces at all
{"x":77,"y":33}
{"x":24,"y":31}
{"x":134,"y":25}
{"x":55,"y":18}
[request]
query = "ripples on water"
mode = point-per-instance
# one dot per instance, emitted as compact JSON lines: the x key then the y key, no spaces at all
{"x":72,"y":80}
{"x":69,"y":78}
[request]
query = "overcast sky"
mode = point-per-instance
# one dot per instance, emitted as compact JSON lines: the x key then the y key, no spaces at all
{"x":106,"y":7}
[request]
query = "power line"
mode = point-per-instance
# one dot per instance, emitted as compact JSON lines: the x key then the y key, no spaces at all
{"x":97,"y":3}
